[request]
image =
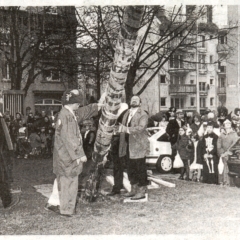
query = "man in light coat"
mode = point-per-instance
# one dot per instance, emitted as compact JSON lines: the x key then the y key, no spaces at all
{"x":68,"y":154}
{"x":134,"y":144}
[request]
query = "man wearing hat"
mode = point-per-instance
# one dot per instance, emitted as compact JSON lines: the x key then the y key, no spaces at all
{"x":208,"y":155}
{"x":227,"y":138}
{"x":174,"y":125}
{"x":68,"y":153}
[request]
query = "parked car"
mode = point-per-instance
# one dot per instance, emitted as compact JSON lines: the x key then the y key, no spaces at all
{"x":160,"y":155}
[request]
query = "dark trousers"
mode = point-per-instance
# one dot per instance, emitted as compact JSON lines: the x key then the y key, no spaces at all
{"x":118,"y":168}
{"x":211,"y":178}
{"x":137,"y":171}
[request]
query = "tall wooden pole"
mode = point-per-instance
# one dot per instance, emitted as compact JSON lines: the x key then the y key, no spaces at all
{"x":114,"y":92}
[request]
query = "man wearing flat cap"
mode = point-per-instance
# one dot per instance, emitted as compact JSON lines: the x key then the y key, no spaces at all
{"x":174,"y":125}
{"x":68,"y":153}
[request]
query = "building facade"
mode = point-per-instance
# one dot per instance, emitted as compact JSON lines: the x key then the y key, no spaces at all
{"x":46,"y":57}
{"x":195,"y":67}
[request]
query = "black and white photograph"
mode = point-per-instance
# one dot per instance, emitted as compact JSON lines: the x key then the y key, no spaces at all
{"x":120,"y":119}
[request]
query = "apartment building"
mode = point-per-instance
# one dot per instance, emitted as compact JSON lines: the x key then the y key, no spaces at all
{"x":202,"y":64}
{"x":53,"y":29}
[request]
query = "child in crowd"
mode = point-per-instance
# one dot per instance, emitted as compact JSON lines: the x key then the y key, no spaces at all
{"x":35,"y":142}
{"x":195,"y":167}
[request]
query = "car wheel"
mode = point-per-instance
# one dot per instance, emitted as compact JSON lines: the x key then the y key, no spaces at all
{"x":164,"y":164}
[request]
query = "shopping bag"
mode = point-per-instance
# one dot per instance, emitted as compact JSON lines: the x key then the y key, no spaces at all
{"x":178,"y":163}
{"x":220,"y":166}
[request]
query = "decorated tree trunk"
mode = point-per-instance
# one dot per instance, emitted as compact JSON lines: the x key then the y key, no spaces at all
{"x":114,"y":92}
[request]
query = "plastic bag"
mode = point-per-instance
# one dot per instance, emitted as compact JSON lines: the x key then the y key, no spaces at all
{"x":220,"y":166}
{"x":178,"y":163}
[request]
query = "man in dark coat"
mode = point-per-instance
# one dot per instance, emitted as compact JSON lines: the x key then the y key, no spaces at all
{"x":173,"y":126}
{"x":208,"y":155}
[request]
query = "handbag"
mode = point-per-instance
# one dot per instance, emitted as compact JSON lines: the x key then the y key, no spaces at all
{"x":178,"y":163}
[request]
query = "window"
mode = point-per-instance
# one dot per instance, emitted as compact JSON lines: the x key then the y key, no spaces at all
{"x":163,"y":102}
{"x":202,"y":86}
{"x":176,"y":79}
{"x":211,"y":59}
{"x":176,"y":61}
{"x":202,"y":61}
{"x":177,"y":102}
{"x":211,"y":101}
{"x":202,"y":41}
{"x":221,"y":68}
{"x":191,"y":81}
{"x":211,"y":81}
{"x":202,"y":102}
{"x":192,"y":101}
{"x":5,"y":71}
{"x":51,"y":75}
{"x":222,"y":39}
{"x":162,"y":78}
{"x":222,"y":82}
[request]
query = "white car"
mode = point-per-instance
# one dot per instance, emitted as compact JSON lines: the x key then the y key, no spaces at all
{"x":160,"y":154}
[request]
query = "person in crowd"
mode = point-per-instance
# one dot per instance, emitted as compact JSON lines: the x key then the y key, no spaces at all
{"x":163,"y":123}
{"x":43,"y":137}
{"x":185,"y":148}
{"x":170,"y":114}
{"x":236,"y":124}
{"x":227,"y":138}
{"x":50,"y":141}
{"x":222,"y":115}
{"x":195,"y":167}
{"x":30,"y":123}
{"x":196,"y":123}
{"x":8,"y":117}
{"x":88,"y":137}
{"x":68,"y":153}
{"x":174,"y":125}
{"x":135,"y":145}
{"x":208,"y":155}
{"x":6,"y":149}
{"x":210,"y":117}
{"x":35,"y":142}
{"x":23,"y":145}
{"x":14,"y":127}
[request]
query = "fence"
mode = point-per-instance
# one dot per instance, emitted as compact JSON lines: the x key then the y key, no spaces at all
{"x":13,"y":101}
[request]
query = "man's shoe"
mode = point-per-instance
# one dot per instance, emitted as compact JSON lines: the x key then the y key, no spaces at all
{"x":133,"y":192}
{"x":140,"y":194}
{"x":112,"y":193}
{"x":52,"y":208}
{"x":14,"y":202}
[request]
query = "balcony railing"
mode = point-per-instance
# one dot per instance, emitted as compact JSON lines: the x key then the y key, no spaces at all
{"x":221,"y":90}
{"x":182,"y":89}
{"x":222,"y":48}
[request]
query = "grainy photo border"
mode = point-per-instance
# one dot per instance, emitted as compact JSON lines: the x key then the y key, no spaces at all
{"x":117,"y":2}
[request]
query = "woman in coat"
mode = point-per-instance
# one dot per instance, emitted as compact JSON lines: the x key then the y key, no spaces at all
{"x":227,"y":138}
{"x":185,"y":148}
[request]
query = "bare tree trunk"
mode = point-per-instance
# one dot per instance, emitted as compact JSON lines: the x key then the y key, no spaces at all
{"x":114,"y":91}
{"x":130,"y":82}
